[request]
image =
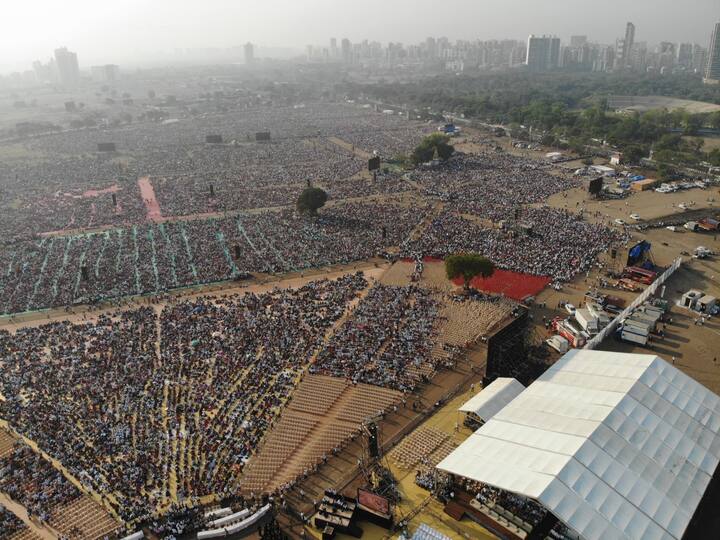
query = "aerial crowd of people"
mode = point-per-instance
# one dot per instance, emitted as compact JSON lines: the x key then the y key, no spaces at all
{"x":160,"y":404}
{"x":187,"y":390}
{"x":386,"y":340}
{"x":61,"y":182}
{"x":28,"y":478}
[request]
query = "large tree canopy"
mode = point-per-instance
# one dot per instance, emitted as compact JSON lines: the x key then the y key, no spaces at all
{"x":433,"y":144}
{"x":311,"y":200}
{"x":468,"y":266}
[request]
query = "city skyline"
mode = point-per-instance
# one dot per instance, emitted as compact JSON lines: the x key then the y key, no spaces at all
{"x":101,"y":38}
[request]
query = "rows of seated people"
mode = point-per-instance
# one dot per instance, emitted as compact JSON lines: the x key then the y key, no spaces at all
{"x":29,"y":479}
{"x":560,"y":245}
{"x":526,"y":509}
{"x":137,"y":397}
{"x":61,"y":182}
{"x":10,"y":524}
{"x":59,"y":271}
{"x":389,"y":331}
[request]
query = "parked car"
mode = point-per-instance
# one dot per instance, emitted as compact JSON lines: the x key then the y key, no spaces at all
{"x":636,"y":217}
{"x":619,"y":222}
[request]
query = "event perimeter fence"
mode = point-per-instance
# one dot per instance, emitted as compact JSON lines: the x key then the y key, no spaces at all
{"x":647,"y":293}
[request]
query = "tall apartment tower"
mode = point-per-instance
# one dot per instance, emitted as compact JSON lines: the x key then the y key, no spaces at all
{"x":712,"y":72}
{"x":249,"y":53}
{"x":624,"y":56}
{"x":346,"y":48}
{"x":543,"y":53}
{"x":67,"y":67}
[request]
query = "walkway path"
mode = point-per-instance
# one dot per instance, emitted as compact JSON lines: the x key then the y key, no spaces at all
{"x":148,"y":195}
{"x":21,"y":513}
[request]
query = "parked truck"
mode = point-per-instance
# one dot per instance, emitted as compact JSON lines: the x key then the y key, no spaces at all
{"x":630,"y":335}
{"x":559,"y":343}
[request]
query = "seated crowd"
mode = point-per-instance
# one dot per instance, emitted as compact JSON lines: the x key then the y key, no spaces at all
{"x":553,"y":243}
{"x":9,"y":523}
{"x":133,"y":399}
{"x":29,"y":479}
{"x":86,"y":268}
{"x":61,"y":182}
{"x":387,"y":336}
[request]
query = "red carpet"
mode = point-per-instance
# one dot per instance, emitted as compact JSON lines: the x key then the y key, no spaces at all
{"x":512,"y":284}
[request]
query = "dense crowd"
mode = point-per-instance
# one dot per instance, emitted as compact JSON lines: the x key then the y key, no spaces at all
{"x":153,"y":258}
{"x":542,"y":241}
{"x":157,"y":404}
{"x":61,"y":182}
{"x":254,"y":176}
{"x":386,"y":340}
{"x":131,"y":399}
{"x":26,"y":477}
{"x":9,"y":523}
{"x":491,"y":186}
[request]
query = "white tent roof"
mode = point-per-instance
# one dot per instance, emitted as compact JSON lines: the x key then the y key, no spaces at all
{"x":491,"y":399}
{"x":614,"y":445}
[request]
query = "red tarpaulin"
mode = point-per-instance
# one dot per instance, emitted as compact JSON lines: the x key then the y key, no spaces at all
{"x":512,"y":284}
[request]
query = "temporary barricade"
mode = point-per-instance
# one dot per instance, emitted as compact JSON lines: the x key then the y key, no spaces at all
{"x":647,"y":293}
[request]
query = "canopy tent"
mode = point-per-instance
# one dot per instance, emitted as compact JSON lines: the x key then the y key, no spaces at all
{"x":614,"y":445}
{"x":491,"y":399}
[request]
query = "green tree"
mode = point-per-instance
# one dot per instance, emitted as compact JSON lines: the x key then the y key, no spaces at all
{"x":634,"y":153}
{"x":468,"y":266}
{"x":311,"y":200}
{"x":665,"y":172}
{"x":434,"y":144}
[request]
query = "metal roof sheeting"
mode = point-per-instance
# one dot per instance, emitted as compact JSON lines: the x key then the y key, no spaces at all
{"x":614,"y":445}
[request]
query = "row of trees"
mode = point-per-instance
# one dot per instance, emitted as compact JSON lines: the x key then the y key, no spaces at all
{"x":570,"y":109}
{"x":496,"y":97}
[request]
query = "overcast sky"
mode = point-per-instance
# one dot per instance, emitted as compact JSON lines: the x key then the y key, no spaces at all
{"x":128,"y":31}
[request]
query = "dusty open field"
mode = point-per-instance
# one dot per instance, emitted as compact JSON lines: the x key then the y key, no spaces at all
{"x":695,"y":348}
{"x":648,"y":103}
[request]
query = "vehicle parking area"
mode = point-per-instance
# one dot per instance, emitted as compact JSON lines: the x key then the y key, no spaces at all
{"x":691,"y":339}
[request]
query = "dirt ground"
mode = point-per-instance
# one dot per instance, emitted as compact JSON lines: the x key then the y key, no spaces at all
{"x":695,"y":349}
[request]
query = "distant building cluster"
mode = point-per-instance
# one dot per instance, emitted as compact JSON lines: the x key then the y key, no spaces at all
{"x":539,"y":53}
{"x":457,"y":56}
{"x":63,"y":69}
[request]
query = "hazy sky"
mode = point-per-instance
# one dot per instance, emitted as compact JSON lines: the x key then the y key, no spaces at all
{"x":125,"y":31}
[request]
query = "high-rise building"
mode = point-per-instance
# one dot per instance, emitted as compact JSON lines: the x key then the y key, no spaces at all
{"x":685,"y":54}
{"x":712,"y":72}
{"x":623,"y":58}
{"x":106,"y":73}
{"x":67,"y":67}
{"x":543,"y":53}
{"x":333,"y":48}
{"x":578,"y":41}
{"x":249,"y":53}
{"x":45,"y":72}
{"x":431,"y":47}
{"x":346,"y":47}
{"x":699,"y":58}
